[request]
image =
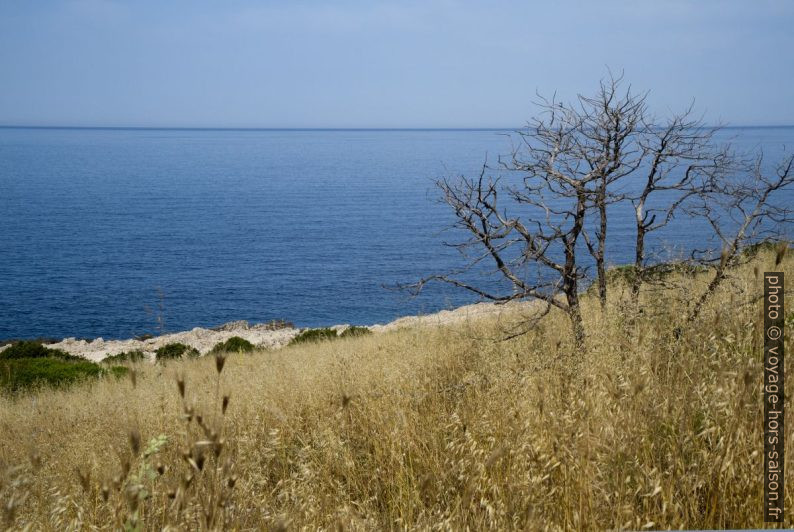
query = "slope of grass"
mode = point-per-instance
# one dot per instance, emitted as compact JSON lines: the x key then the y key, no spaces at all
{"x":424,"y":428}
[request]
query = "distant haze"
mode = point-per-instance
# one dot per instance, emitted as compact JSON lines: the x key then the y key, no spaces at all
{"x":428,"y":63}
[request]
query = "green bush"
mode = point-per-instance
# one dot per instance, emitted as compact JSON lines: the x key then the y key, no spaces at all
{"x":235,"y":344}
{"x":128,"y":356}
{"x":17,"y":374}
{"x":32,"y":349}
{"x":326,"y":333}
{"x":176,"y":350}
{"x":314,"y":335}
{"x":353,"y":330}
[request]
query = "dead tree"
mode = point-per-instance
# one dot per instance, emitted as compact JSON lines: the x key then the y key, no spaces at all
{"x":610,"y":128}
{"x":742,"y":207}
{"x":530,"y":223}
{"x":514,"y":244}
{"x":676,"y":155}
{"x":564,"y":169}
{"x":533,"y":220}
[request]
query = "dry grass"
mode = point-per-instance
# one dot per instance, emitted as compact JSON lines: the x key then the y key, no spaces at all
{"x":426,"y":428}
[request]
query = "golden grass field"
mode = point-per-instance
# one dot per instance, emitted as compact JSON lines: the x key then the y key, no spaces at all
{"x":439,"y":428}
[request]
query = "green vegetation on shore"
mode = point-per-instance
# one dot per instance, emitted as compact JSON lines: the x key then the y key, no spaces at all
{"x":235,"y":344}
{"x":174,"y":351}
{"x":125,"y":357}
{"x":314,"y":335}
{"x":326,"y":333}
{"x":29,"y":364}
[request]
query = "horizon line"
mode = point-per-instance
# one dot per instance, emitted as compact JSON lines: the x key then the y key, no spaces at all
{"x":223,"y":128}
{"x":232,"y":128}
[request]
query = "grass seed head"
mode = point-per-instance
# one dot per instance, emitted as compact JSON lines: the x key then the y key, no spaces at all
{"x":218,"y":448}
{"x":780,"y":252}
{"x":135,"y":442}
{"x":125,"y":467}
{"x":85,"y":478}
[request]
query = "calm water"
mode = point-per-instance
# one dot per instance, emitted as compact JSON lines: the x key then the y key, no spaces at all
{"x":102,"y":231}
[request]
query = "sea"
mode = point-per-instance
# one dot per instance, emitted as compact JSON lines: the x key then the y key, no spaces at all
{"x":119,"y":232}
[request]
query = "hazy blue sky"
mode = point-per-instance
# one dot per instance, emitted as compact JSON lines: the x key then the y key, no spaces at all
{"x":429,"y":63}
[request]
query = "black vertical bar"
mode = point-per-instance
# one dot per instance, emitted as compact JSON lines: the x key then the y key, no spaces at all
{"x":774,"y":409}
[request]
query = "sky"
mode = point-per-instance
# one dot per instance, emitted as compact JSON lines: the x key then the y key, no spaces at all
{"x":406,"y":63}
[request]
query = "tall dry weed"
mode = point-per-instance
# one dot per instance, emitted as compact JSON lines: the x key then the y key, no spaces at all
{"x":430,"y":428}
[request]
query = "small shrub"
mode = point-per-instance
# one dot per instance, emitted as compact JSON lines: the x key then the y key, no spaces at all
{"x":235,"y":344}
{"x":353,"y":331}
{"x":314,"y":335}
{"x":128,"y":356}
{"x":17,"y":374}
{"x":32,"y":349}
{"x":175,"y":350}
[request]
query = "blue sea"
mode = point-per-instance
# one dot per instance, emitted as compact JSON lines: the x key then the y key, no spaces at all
{"x":121,"y":232}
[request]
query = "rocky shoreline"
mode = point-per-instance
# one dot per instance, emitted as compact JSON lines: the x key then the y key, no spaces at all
{"x":273,"y":335}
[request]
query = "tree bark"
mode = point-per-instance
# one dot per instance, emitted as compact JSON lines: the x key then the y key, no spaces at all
{"x":639,"y":258}
{"x":570,"y":277}
{"x":602,"y":238}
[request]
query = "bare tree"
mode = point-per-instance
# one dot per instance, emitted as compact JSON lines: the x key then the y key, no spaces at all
{"x":677,"y":155}
{"x":611,"y":125}
{"x":565,"y":165}
{"x":742,"y":208}
{"x":550,"y":201}
{"x":566,"y":160}
{"x":514,"y":244}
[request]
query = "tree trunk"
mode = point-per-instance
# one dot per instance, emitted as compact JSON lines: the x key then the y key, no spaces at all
{"x":719,"y":275}
{"x":570,"y":285}
{"x":639,"y":261}
{"x":577,"y":325}
{"x":572,"y":363}
{"x":728,"y":255}
{"x":600,"y":266}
